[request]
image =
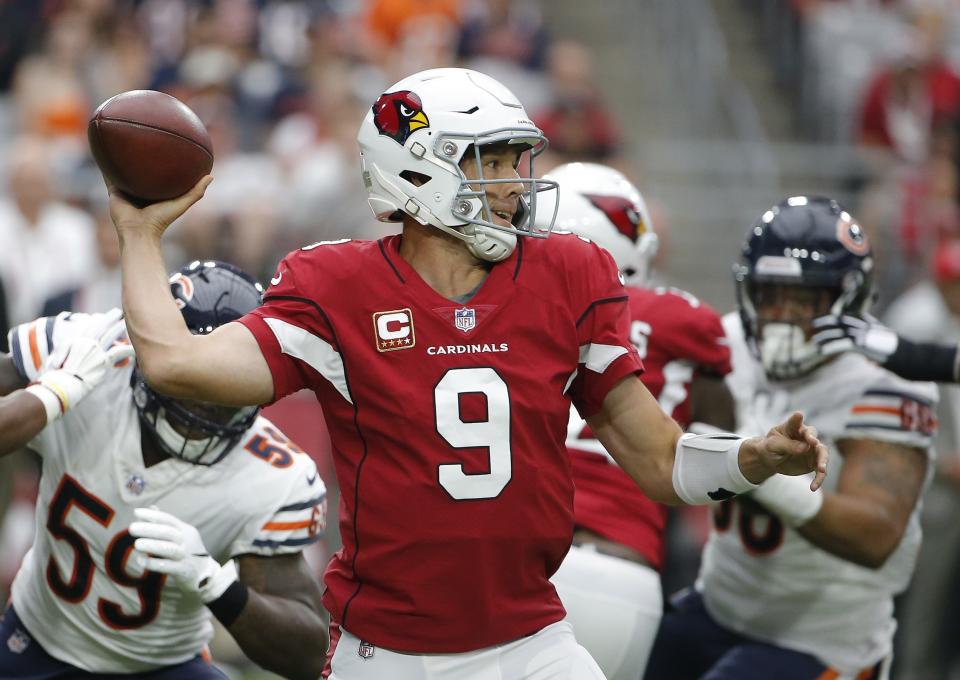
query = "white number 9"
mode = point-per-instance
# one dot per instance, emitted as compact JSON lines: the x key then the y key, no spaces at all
{"x":492,"y":434}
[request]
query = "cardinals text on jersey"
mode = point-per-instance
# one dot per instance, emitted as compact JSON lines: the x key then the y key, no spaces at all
{"x":457,"y":494}
{"x":77,"y":591}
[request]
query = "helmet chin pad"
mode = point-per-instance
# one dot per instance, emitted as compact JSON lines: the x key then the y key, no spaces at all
{"x":489,"y":245}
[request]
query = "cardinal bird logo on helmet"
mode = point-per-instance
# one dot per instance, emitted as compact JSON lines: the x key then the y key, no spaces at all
{"x":399,"y":114}
{"x":622,"y":213}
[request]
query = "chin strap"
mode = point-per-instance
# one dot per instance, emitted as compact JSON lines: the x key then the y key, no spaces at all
{"x":490,"y":245}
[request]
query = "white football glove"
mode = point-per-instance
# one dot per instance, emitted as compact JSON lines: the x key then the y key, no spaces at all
{"x":78,"y":365}
{"x":169,"y":546}
{"x":836,"y":334}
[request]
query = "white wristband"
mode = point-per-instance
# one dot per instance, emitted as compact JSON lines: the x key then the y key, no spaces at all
{"x":790,"y":498}
{"x":51,"y":402}
{"x":706,"y":468}
{"x":219,"y":581}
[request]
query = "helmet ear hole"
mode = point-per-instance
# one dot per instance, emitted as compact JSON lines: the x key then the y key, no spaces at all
{"x":417,"y":179}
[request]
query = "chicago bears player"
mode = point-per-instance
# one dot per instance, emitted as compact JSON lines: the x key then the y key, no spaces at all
{"x":799,"y":585}
{"x":154,"y":513}
{"x":446,"y":360}
{"x":609,"y":582}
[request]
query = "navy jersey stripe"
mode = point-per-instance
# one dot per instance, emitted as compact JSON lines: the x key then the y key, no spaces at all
{"x":15,"y":352}
{"x":317,"y":500}
{"x":898,"y":395}
{"x":386,"y":257}
{"x":516,"y":270}
{"x":596,"y":303}
{"x":262,"y":543}
{"x":868,"y":425}
{"x":48,"y":327}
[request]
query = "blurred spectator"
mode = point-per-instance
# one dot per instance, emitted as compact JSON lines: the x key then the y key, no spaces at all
{"x":930,"y":311}
{"x":48,"y":90}
{"x":506,"y":30}
{"x":101,"y":290}
{"x":387,"y":19}
{"x":21,"y":25}
{"x":48,"y":247}
{"x":904,"y":99}
{"x":317,"y":151}
{"x":910,"y":209}
{"x":577,"y":121}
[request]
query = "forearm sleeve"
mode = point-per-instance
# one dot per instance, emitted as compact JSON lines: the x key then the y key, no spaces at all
{"x":924,"y":361}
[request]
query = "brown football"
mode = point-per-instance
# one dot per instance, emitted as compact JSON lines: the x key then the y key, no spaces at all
{"x":150,"y":145}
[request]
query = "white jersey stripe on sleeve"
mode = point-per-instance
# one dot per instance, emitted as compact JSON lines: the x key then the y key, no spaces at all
{"x":598,"y":357}
{"x":315,"y":351}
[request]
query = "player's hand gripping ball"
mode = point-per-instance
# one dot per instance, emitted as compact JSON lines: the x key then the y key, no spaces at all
{"x":149,"y":145}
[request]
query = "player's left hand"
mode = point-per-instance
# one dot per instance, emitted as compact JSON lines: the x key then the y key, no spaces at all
{"x":790,"y":448}
{"x":170,"y":546}
{"x":836,"y":334}
{"x":77,"y":366}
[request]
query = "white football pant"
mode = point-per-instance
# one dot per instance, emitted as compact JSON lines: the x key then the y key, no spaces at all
{"x":550,"y":654}
{"x":615,"y":606}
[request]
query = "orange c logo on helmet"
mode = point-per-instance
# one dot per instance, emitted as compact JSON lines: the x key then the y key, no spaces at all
{"x":852,"y":236}
{"x":399,"y":114}
{"x":182,"y":289}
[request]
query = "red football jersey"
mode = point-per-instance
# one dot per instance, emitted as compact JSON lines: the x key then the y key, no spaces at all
{"x":677,"y":336}
{"x":447,"y":423}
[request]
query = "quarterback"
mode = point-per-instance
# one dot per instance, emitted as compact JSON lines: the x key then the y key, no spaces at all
{"x":155,"y":513}
{"x":795,"y":584}
{"x":609,"y":582}
{"x":457,"y":500}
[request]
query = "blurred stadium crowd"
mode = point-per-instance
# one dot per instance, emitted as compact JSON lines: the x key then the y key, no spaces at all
{"x":283,"y":84}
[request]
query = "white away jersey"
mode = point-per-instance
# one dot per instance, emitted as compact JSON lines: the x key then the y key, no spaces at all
{"x":762,"y":578}
{"x":77,"y":591}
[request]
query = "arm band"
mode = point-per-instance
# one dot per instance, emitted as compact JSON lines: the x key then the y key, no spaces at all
{"x":924,"y":361}
{"x":706,"y":468}
{"x":228,"y":606}
{"x":51,"y":402}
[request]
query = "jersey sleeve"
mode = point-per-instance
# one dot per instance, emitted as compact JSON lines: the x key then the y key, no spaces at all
{"x":296,"y":515}
{"x":701,"y":338}
{"x":32,"y":343}
{"x":895,"y":410}
{"x":603,"y":333}
{"x":294,"y":336}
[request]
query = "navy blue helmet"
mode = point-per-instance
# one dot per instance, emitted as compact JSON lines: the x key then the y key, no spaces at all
{"x":805,"y":248}
{"x":209,"y":294}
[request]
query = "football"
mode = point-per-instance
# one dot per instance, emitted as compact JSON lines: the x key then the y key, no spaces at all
{"x":150,"y":145}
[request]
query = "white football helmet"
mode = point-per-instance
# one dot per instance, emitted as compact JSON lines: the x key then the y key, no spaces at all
{"x":601,"y":204}
{"x":413,"y":139}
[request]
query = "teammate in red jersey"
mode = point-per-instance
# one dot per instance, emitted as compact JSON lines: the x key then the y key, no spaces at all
{"x":609,"y":582}
{"x":446,"y":360}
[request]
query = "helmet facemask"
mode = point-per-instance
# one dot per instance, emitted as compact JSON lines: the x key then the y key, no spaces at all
{"x":472,"y":201}
{"x":196,"y":432}
{"x":778,"y":321}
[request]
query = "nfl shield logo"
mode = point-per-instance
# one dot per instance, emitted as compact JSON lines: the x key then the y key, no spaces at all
{"x":465,"y":319}
{"x":365,"y":650}
{"x":136,"y":484}
{"x":18,"y":642}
